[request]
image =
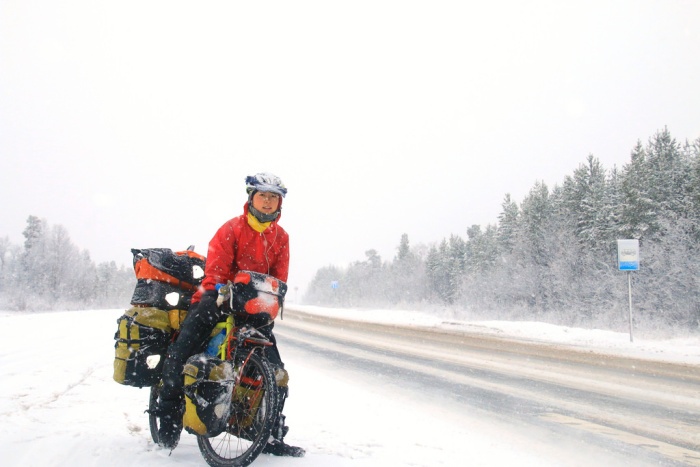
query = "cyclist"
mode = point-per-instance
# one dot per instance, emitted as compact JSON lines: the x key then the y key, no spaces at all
{"x":252,"y":241}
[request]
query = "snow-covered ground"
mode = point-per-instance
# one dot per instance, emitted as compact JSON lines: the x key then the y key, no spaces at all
{"x":60,"y":406}
{"x":656,"y":345}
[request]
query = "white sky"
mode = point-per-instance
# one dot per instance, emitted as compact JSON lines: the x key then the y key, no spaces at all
{"x":133,"y":124}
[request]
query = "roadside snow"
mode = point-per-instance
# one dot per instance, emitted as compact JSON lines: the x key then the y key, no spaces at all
{"x":60,"y":406}
{"x":685,"y":349}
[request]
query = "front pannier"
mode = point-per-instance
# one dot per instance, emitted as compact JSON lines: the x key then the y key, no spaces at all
{"x":208,"y":390}
{"x":141,"y":344}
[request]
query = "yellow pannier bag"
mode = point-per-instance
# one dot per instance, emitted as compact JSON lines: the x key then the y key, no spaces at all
{"x":141,"y":344}
{"x":176,"y":318}
{"x":208,"y":390}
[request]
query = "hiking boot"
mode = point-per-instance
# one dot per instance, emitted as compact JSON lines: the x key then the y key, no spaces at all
{"x":170,"y":419}
{"x":279,"y":448}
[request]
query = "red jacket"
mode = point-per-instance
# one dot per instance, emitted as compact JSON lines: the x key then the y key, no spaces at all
{"x":237,"y":246}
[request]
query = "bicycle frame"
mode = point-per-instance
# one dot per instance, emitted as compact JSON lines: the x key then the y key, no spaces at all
{"x":224,"y":352}
{"x":231,"y":342}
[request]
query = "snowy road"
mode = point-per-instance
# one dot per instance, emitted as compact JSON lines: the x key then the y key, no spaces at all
{"x":571,"y":407}
{"x":361,"y":396}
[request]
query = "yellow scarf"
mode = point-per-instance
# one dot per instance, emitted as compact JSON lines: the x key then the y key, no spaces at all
{"x":256,"y":224}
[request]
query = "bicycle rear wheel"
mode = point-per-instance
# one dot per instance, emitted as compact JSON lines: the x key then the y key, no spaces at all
{"x":254,"y":407}
{"x":153,"y":422}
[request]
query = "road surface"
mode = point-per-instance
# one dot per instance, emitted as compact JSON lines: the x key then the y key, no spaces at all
{"x":599,"y":409}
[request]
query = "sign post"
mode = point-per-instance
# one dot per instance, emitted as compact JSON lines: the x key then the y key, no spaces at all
{"x":628,"y":260}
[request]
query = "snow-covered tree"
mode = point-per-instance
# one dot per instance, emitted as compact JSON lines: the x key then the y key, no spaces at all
{"x":49,"y":272}
{"x":554,"y":255}
{"x":585,"y":197}
{"x":508,"y":224}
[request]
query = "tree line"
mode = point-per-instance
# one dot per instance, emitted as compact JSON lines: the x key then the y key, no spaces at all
{"x":553,"y":256}
{"x":49,"y":272}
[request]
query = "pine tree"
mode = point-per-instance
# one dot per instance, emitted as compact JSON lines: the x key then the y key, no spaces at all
{"x":613,"y":202}
{"x":34,"y":277}
{"x":693,"y":155}
{"x":639,"y":212}
{"x":4,"y":253}
{"x":481,"y":249}
{"x":404,"y":250}
{"x":585,"y":198}
{"x":4,"y":250}
{"x":436,"y":271}
{"x":535,"y":213}
{"x":407,"y":282}
{"x":34,"y":232}
{"x":508,"y":224}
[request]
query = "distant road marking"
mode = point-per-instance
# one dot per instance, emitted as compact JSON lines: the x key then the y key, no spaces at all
{"x":673,"y":452}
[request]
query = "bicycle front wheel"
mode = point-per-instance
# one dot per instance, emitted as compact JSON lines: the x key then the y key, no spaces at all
{"x":254,"y":407}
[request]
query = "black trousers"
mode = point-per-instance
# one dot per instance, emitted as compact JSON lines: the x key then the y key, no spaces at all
{"x":194,"y":335}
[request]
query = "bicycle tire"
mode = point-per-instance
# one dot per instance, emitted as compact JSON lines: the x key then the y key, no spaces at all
{"x":153,"y":422}
{"x":254,"y":407}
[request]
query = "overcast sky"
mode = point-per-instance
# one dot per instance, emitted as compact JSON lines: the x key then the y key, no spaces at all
{"x":134,"y":123}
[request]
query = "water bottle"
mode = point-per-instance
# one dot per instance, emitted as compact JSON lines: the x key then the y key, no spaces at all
{"x":215,"y":342}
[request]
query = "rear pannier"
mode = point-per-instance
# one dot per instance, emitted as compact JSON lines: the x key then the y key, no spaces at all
{"x":166,"y":278}
{"x":184,"y":269}
{"x":141,"y":344}
{"x":161,"y":295}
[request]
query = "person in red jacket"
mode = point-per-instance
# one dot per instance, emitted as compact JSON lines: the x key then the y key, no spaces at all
{"x":253,"y":241}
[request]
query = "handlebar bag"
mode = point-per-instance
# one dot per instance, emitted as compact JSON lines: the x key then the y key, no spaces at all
{"x":258,"y":294}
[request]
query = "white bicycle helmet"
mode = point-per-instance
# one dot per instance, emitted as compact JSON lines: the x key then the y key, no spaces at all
{"x":266,"y":182}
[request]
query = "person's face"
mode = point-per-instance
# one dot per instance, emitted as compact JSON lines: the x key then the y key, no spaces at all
{"x":266,"y":202}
